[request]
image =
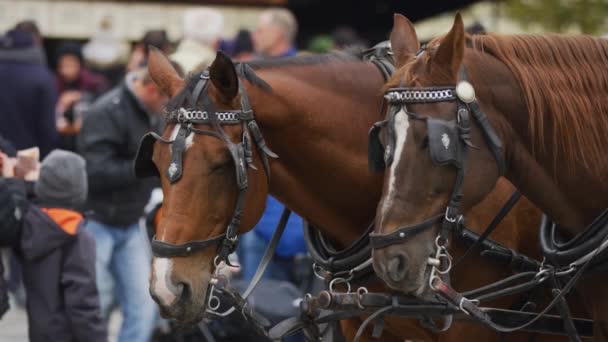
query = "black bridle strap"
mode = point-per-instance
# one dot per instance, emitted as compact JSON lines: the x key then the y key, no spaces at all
{"x":378,"y":240}
{"x":163,"y":249}
{"x":506,"y":208}
{"x":268,"y":253}
{"x":487,"y":129}
{"x":490,"y":135}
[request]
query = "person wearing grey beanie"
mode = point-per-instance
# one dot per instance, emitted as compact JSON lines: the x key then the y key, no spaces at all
{"x":63,"y":180}
{"x":58,"y":256}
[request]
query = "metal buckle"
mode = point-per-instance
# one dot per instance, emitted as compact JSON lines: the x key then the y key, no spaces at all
{"x":360,"y":292}
{"x":337,"y":281}
{"x":214,"y":303}
{"x":316,"y":269}
{"x":448,"y":218}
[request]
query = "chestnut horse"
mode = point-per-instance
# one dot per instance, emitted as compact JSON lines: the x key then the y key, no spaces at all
{"x":545,"y":99}
{"x":316,"y":118}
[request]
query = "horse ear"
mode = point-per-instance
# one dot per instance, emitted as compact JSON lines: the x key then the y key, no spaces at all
{"x":450,"y":53}
{"x":404,"y":41}
{"x":223,"y":76}
{"x":163,"y":73}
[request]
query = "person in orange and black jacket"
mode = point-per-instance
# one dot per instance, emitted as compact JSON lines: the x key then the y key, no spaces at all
{"x":58,"y":255}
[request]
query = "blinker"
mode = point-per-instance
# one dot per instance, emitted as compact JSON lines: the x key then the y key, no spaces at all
{"x":144,"y":166}
{"x":376,"y":154}
{"x":443,"y":138}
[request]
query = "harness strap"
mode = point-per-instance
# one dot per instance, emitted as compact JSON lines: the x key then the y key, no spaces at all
{"x":163,"y":249}
{"x":378,"y":240}
{"x":354,"y":260}
{"x":490,"y":135}
{"x":268,"y":253}
{"x":564,"y":311}
{"x":506,"y":208}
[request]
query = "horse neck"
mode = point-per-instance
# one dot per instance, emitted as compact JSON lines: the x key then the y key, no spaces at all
{"x":531,"y":173}
{"x":316,"y":119}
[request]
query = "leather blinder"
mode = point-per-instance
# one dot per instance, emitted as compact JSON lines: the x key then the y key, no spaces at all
{"x":143,"y":165}
{"x":444,"y":146}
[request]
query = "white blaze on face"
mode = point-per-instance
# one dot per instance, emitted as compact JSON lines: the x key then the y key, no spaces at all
{"x":400,"y":131}
{"x":163,"y":287}
{"x":189,"y":138}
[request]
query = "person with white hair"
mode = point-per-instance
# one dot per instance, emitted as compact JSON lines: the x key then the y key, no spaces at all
{"x":275,"y":33}
{"x":202,"y":31}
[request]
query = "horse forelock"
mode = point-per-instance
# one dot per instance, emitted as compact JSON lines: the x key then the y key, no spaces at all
{"x":564,"y":80}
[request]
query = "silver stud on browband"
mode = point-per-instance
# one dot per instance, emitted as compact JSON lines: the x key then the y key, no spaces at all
{"x":465,"y":92}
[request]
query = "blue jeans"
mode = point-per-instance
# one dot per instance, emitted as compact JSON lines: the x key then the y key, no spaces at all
{"x":123,"y":269}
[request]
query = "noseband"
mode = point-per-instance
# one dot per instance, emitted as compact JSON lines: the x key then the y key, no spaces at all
{"x":241,"y":153}
{"x":449,"y":141}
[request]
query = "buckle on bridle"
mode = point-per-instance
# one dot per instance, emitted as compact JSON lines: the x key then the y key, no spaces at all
{"x":450,"y":219}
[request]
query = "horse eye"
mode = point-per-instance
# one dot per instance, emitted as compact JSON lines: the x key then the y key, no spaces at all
{"x":425,"y":142}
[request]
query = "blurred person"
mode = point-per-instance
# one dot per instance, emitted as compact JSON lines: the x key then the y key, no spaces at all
{"x":109,"y":140}
{"x":139,"y":55}
{"x":31,"y":27}
{"x":202,"y":32}
{"x":346,"y":38}
{"x":8,"y":161}
{"x":476,"y":28}
{"x":242,"y":49}
{"x":27,"y":93}
{"x":8,"y":225}
{"x":56,"y":252}
{"x":58,"y":256}
{"x":105,"y":53}
{"x":4,"y":302}
{"x":78,"y":87}
{"x":275,"y":33}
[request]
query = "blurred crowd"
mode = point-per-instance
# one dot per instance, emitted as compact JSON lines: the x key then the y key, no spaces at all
{"x":75,"y":246}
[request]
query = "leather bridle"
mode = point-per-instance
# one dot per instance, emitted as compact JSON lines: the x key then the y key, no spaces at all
{"x":449,"y":141}
{"x":241,"y":153}
{"x":444,"y":132}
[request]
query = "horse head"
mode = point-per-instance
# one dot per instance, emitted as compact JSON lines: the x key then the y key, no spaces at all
{"x":206,"y":163}
{"x":430,"y":143}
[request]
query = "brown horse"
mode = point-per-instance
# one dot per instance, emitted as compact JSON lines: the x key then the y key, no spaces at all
{"x":545,"y":98}
{"x":316,"y":118}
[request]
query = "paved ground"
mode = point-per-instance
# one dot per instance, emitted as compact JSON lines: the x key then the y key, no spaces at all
{"x":13,"y":326}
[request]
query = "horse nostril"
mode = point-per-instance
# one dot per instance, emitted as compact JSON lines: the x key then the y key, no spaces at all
{"x":397,"y":267}
{"x":183,"y":292}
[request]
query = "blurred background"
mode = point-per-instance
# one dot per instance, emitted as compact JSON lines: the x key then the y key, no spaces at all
{"x":370,"y":20}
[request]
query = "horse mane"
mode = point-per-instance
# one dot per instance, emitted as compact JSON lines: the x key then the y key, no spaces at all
{"x":247,"y":71}
{"x":304,"y":59}
{"x":564,"y":80}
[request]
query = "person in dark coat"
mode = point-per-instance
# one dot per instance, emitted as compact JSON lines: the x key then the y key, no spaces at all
{"x":109,"y":140}
{"x":27,"y":94}
{"x":59,"y":256}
